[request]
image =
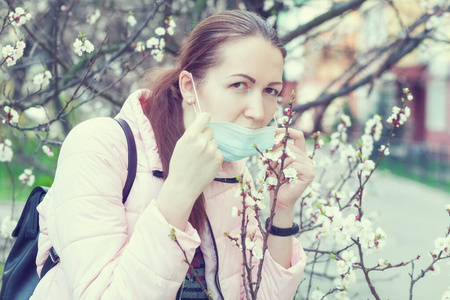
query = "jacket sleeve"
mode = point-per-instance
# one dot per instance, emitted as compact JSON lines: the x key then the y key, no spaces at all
{"x":277,"y":282}
{"x":89,"y":232}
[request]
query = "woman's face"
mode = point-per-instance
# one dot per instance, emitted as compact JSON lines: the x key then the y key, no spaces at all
{"x":243,"y":88}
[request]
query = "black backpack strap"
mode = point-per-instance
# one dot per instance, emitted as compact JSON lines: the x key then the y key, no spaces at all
{"x":53,"y":257}
{"x":132,"y":159}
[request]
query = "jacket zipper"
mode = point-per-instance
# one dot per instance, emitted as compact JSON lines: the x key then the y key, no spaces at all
{"x":216,"y":277}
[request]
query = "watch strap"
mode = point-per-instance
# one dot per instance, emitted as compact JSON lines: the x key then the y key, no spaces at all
{"x":282,"y":231}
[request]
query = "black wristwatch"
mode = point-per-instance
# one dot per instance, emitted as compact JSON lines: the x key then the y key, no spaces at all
{"x":282,"y":231}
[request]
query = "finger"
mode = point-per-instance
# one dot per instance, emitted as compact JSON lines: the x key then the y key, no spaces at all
{"x":299,"y":138}
{"x":199,"y":124}
{"x":209,"y":133}
{"x":295,"y":149}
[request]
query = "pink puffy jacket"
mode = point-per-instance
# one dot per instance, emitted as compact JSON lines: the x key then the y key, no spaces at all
{"x":113,"y":251}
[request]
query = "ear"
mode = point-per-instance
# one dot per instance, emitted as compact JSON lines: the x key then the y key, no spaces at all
{"x":186,"y":87}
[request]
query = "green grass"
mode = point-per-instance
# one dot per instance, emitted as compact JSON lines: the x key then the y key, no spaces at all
{"x":400,"y":169}
{"x":2,"y":267}
{"x":17,"y":167}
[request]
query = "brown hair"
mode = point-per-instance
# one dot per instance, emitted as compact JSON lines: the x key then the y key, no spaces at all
{"x":200,"y":52}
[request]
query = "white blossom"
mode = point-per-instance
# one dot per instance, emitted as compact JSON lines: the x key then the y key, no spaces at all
{"x":172,"y":23}
{"x":259,"y":195}
{"x":7,"y":50}
{"x":317,"y":294}
{"x":283,"y":120}
{"x":290,"y":172}
{"x":385,"y":150}
{"x":234,"y":212}
{"x":42,"y":78}
{"x":235,"y":235}
{"x":47,"y":150}
{"x":261,"y":205}
{"x":342,"y":267}
{"x":407,"y":111}
{"x":257,"y":252}
{"x":88,"y":46}
{"x":320,"y":143}
{"x":274,"y":155}
{"x":290,"y":153}
{"x":366,"y":167}
{"x":399,"y":116}
{"x":446,"y":295}
{"x":249,"y":201}
{"x":12,"y":116}
{"x":271,"y":181}
{"x":153,"y":42}
{"x":162,"y":44}
{"x":441,"y":243}
{"x":346,"y":120}
{"x":341,"y":295}
{"x":374,"y":127}
{"x":82,"y":44}
{"x":92,"y":19}
{"x":349,"y":257}
{"x":6,"y":152}
{"x":268,"y":4}
{"x":347,"y":154}
{"x":157,"y":54}
{"x":12,"y":54}
{"x":382,"y":262}
{"x":160,"y":31}
{"x":249,"y":244}
{"x":349,"y":279}
{"x":131,"y":20}
{"x":27,"y":177}
{"x":8,"y":225}
{"x":19,"y":17}
{"x":140,"y":47}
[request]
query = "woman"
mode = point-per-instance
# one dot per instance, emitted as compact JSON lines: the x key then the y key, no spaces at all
{"x":231,"y":64}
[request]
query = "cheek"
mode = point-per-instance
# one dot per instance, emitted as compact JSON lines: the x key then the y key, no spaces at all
{"x":269,"y":110}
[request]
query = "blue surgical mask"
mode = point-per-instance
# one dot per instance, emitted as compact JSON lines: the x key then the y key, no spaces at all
{"x":237,"y":142}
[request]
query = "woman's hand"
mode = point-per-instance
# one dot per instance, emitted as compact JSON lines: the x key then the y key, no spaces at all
{"x":290,"y":193}
{"x":196,"y":160}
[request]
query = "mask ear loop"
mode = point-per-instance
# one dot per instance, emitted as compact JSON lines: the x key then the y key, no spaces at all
{"x":197,"y":110}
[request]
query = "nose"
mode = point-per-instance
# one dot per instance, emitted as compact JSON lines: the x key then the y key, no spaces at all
{"x":254,"y":107}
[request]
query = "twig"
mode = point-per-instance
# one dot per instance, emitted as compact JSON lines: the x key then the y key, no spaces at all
{"x":13,"y":185}
{"x":366,"y":273}
{"x":312,"y":271}
{"x":186,"y":260}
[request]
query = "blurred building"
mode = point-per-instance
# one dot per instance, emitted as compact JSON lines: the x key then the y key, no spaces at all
{"x":326,"y":57}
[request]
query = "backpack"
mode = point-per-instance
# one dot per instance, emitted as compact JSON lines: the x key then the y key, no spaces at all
{"x":20,"y":277}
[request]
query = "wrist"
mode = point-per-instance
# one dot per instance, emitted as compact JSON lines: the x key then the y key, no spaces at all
{"x":283,"y":217}
{"x":282,"y":231}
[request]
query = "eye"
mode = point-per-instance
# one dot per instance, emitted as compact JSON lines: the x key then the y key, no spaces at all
{"x":239,"y":85}
{"x":271,"y":91}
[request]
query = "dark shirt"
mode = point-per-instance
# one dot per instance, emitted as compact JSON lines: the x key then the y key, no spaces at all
{"x":190,"y":289}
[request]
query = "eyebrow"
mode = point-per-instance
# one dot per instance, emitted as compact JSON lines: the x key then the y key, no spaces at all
{"x":253,"y":80}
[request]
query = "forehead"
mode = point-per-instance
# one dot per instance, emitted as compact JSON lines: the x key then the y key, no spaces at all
{"x":253,"y":56}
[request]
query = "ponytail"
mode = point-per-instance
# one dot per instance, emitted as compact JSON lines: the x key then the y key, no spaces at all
{"x":165,"y":113}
